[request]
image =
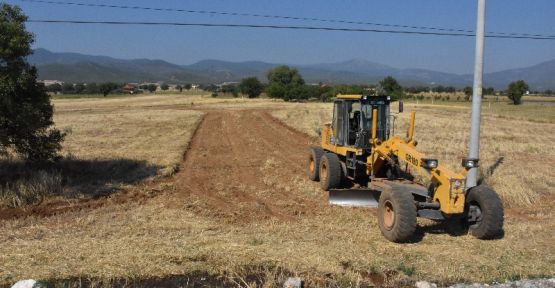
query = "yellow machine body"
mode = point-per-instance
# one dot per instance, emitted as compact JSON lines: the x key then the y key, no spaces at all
{"x":448,"y":186}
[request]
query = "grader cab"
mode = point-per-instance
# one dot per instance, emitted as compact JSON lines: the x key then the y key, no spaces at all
{"x":362,"y":163}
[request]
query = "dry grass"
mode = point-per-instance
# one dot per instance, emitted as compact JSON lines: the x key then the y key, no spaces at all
{"x":105,"y":150}
{"x":157,"y":136}
{"x":334,"y":247}
{"x":517,"y":155}
{"x":338,"y":247}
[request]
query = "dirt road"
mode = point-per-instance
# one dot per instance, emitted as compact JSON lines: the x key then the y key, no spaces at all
{"x":242,"y":165}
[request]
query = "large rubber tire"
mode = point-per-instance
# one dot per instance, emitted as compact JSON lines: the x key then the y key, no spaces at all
{"x":314,"y":163}
{"x":397,"y":216}
{"x":331,"y":173}
{"x":490,"y":223}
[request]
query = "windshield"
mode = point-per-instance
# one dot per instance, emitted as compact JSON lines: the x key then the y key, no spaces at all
{"x":383,"y":119}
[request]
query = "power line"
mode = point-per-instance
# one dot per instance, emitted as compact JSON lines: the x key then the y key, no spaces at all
{"x":283,"y":27}
{"x":280,"y":17}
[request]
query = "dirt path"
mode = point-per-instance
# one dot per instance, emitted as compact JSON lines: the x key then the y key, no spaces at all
{"x":241,"y":165}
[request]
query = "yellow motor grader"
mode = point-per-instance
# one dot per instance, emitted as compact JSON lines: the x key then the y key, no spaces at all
{"x":361,"y":163}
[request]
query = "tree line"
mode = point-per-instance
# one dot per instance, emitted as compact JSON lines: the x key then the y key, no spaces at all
{"x":288,"y":84}
{"x":106,"y":88}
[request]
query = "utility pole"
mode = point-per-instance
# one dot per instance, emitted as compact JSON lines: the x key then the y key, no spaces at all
{"x":474,"y":145}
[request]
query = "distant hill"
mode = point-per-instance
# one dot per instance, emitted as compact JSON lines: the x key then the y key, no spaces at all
{"x":74,"y":67}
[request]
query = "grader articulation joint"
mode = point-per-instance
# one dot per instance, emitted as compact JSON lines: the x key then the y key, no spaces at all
{"x":361,"y":163}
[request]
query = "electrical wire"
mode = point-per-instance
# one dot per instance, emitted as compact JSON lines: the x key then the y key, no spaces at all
{"x":282,"y":27}
{"x":286,"y":17}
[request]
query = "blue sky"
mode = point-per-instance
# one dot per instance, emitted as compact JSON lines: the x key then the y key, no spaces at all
{"x":185,"y":45}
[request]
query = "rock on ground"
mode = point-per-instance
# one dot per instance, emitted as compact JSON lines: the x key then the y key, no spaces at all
{"x":533,"y":283}
{"x":29,"y":283}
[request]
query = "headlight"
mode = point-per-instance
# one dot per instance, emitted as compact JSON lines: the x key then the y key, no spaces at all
{"x":470,"y":163}
{"x":429,"y":163}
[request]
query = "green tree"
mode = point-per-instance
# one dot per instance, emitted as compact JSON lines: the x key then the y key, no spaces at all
{"x":79,"y":88}
{"x":152,"y":87}
{"x":67,"y":88}
{"x":467,"y":93}
{"x":251,"y":87}
{"x":179,"y":87}
{"x":230,"y":88}
{"x":188,"y":86}
{"x":282,"y":80}
{"x":165,"y":87}
{"x":390,"y":87}
{"x":489,"y":91}
{"x":54,"y":88}
{"x":516,"y":90}
{"x":25,"y":109}
{"x":107,"y":87}
{"x":92,"y":88}
{"x":285,"y":75}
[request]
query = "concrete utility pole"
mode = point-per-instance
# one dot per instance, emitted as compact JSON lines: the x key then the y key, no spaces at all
{"x":474,"y":147}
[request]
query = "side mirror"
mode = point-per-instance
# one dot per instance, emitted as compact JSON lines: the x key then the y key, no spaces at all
{"x":400,"y":106}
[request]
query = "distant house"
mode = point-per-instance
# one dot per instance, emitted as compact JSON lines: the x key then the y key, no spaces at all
{"x":130,"y":88}
{"x":51,"y":82}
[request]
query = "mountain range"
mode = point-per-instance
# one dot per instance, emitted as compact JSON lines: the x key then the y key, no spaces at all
{"x":74,"y":67}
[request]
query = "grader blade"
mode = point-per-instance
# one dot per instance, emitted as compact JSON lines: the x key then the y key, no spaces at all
{"x":354,"y":197}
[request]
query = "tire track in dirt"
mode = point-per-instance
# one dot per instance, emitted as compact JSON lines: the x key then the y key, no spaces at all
{"x":242,"y":165}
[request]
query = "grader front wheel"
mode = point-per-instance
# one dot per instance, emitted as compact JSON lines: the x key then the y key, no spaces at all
{"x":484,"y":213}
{"x":397,"y":215}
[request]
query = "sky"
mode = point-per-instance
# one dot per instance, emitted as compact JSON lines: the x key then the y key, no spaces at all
{"x":186,"y":45}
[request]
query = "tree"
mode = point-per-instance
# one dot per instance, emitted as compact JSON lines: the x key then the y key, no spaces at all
{"x":390,"y":87}
{"x":79,"y":88}
{"x":251,"y":87}
{"x":107,"y":87}
{"x":516,"y":90}
{"x":152,"y":87}
{"x":67,"y":88}
{"x":25,"y":109}
{"x":230,"y":88}
{"x":188,"y":86}
{"x":164,"y":87}
{"x":282,"y":80}
{"x":285,"y":76}
{"x":489,"y":91}
{"x":179,"y":87}
{"x":54,"y":88}
{"x":467,"y":93}
{"x":92,"y":88}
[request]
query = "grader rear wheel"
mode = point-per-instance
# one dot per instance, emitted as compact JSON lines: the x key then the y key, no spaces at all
{"x":397,"y":215}
{"x":314,"y":163}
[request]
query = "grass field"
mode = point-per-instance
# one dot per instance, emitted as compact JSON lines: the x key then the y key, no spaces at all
{"x":181,"y":236}
{"x":104,"y":150}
